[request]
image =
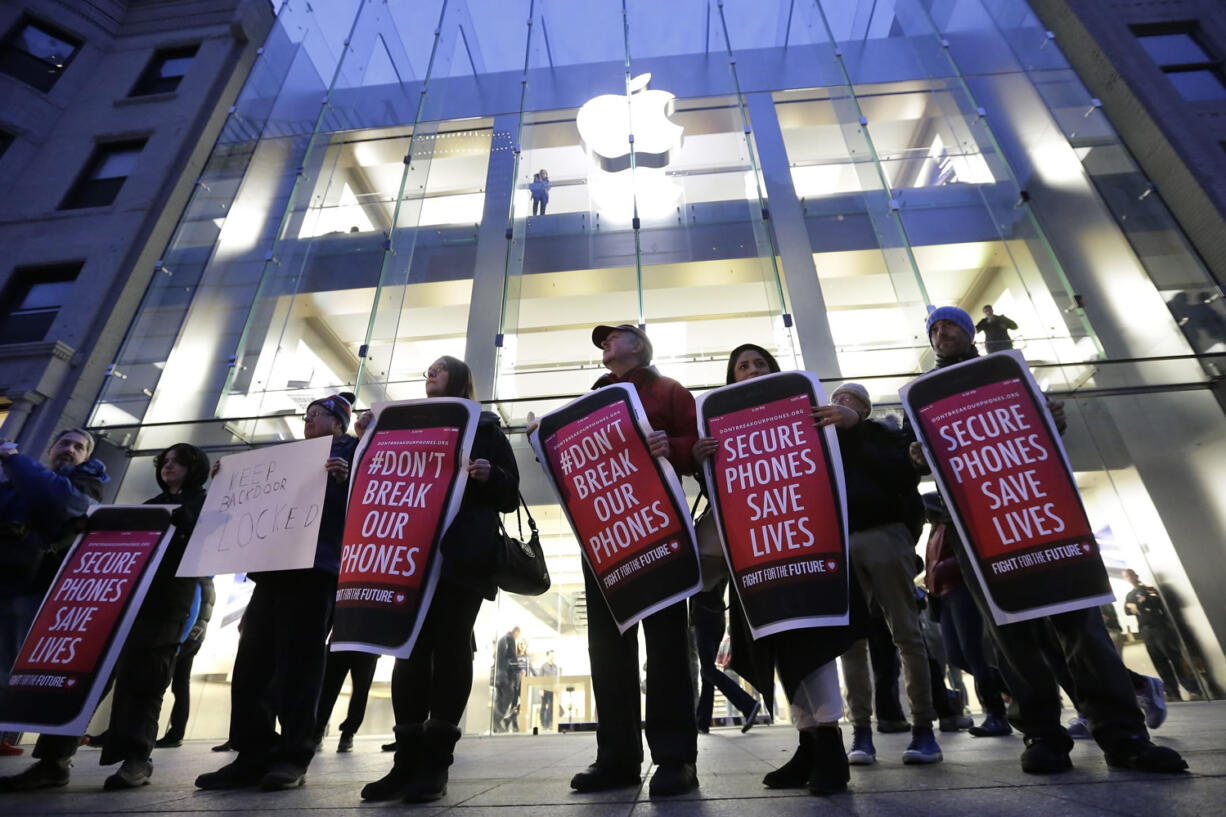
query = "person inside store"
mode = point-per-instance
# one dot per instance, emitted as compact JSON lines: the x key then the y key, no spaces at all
{"x":672,"y":736}
{"x":38,"y":508}
{"x":146,"y":663}
{"x":995,"y":329}
{"x":430,"y":688}
{"x":1103,"y":688}
{"x":803,"y":658}
{"x":1157,"y":630}
{"x":540,"y":192}
{"x":282,"y":648}
{"x":506,"y":681}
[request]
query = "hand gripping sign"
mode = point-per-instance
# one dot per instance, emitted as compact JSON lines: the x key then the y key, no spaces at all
{"x":262,"y":511}
{"x":776,"y":486}
{"x":408,"y":481}
{"x":68,"y":655}
{"x":1003,"y":472}
{"x":627,"y":508}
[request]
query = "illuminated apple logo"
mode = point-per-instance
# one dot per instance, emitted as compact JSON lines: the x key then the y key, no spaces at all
{"x":606,"y":122}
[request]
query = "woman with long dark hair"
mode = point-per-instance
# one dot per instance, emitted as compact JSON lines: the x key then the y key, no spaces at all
{"x":805,"y":658}
{"x":430,"y":688}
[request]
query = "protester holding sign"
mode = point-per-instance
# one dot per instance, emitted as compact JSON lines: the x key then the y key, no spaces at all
{"x":804,"y":658}
{"x":1105,"y":693}
{"x":430,"y":688}
{"x":283,"y":640}
{"x":37,"y":507}
{"x":671,"y":731}
{"x":146,"y":662}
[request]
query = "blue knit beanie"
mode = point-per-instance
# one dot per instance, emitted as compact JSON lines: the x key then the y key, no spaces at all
{"x":954,"y":315}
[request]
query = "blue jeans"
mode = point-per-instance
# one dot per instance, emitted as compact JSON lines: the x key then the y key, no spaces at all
{"x":962,"y":629}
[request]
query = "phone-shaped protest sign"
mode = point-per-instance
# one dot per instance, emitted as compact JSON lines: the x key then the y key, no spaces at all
{"x":776,"y":485}
{"x":999,"y":463}
{"x":408,"y":481}
{"x":626,"y":507}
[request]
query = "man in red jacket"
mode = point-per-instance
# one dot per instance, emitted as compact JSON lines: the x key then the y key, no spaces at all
{"x":671,"y":732}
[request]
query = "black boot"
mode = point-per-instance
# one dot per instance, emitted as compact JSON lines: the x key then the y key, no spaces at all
{"x":392,"y":786}
{"x":429,"y":780}
{"x":795,"y":773}
{"x":830,"y":772}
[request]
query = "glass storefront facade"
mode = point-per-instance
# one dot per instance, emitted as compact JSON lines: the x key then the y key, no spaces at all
{"x":841,"y":166}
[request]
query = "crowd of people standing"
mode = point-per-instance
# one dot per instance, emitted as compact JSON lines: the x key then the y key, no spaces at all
{"x":285,"y":680}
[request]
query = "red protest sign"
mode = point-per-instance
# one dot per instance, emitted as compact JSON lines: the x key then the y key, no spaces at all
{"x":76,"y":637}
{"x":626,"y":507}
{"x":778,"y":496}
{"x":408,"y":479}
{"x":1003,"y":472}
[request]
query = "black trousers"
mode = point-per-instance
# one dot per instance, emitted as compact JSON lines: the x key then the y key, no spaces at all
{"x":359,"y":665}
{"x":284,"y":642}
{"x":887,"y":664}
{"x":181,"y":688}
{"x":671,"y":732}
{"x":1162,"y":644}
{"x":436,"y":678}
{"x":142,"y":674}
{"x":1102,"y":687}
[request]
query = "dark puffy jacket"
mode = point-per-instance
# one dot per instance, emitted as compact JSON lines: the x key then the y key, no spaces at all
{"x":37,"y":509}
{"x":881,"y":482}
{"x":468,"y":546}
{"x":332,"y":520}
{"x":168,"y":603}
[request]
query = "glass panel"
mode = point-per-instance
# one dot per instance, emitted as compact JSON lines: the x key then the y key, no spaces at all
{"x":38,"y":42}
{"x":1198,"y":86}
{"x":116,"y":163}
{"x":1173,"y":49}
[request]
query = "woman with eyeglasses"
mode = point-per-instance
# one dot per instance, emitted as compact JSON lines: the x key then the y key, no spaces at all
{"x":430,"y":688}
{"x":282,"y":649}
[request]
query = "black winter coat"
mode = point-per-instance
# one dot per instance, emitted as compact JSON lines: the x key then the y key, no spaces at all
{"x":469,"y":545}
{"x":164,"y":613}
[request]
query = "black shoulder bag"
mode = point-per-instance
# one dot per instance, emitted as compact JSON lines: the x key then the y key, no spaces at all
{"x":521,"y":565}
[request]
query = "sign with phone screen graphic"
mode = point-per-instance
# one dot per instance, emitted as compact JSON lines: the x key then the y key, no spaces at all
{"x":776,"y":486}
{"x":1004,"y":474}
{"x":408,"y":481}
{"x":627,"y":508}
{"x":64,"y":663}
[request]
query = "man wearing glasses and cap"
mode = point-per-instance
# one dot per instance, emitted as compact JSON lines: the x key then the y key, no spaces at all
{"x":671,"y":732}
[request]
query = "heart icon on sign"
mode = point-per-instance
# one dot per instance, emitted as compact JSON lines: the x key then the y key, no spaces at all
{"x":1086,"y":547}
{"x":675,"y":545}
{"x":831,"y":565}
{"x":72,"y":682}
{"x":400,"y":598}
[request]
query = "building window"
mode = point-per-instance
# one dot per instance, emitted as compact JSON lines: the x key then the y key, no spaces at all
{"x":165,"y":71}
{"x":37,"y":53}
{"x":105,"y":174}
{"x":6,"y":139}
{"x":1185,"y":58}
{"x":32,"y":300}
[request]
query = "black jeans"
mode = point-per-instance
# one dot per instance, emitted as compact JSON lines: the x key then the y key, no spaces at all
{"x":142,"y":674}
{"x":962,"y":627}
{"x":284,"y":643}
{"x":671,"y":732}
{"x":1162,"y":644}
{"x":359,"y":665}
{"x":436,"y":678}
{"x":709,"y":624}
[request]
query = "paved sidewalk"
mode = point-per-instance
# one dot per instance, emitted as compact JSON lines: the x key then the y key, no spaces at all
{"x":504,"y":775}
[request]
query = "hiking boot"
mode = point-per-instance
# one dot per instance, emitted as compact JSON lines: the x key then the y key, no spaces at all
{"x":862,"y":753}
{"x":345,"y":744}
{"x":672,"y":779}
{"x":238,"y":774}
{"x":131,"y":775}
{"x":991,"y":727}
{"x":923,"y":747}
{"x":393,"y":785}
{"x":1142,"y":755}
{"x":1152,"y":699}
{"x":44,"y":774}
{"x":1046,"y":756}
{"x":956,"y":723}
{"x":830,"y":771}
{"x":795,"y":773}
{"x":605,"y":776}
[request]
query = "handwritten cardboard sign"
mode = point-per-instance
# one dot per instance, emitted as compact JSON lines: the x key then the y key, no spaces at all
{"x":262,"y":511}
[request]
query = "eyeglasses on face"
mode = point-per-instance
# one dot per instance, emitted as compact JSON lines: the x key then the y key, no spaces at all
{"x":433,"y":371}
